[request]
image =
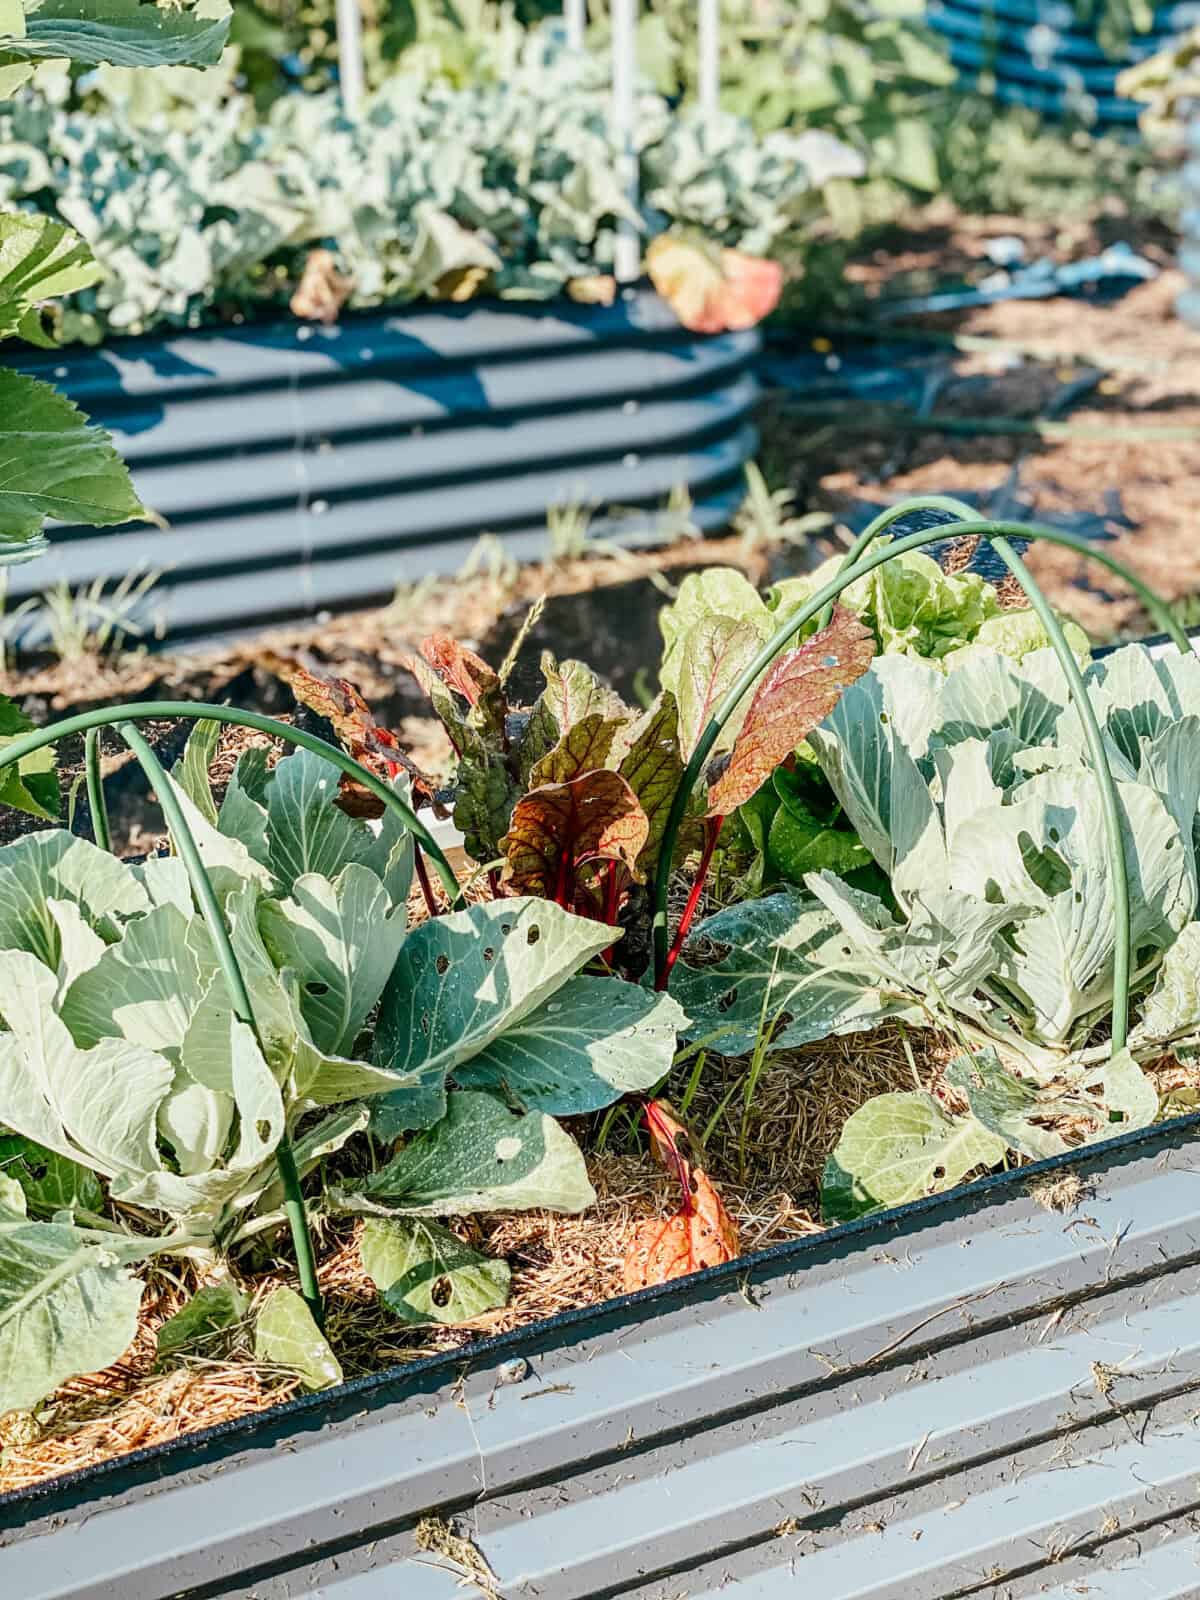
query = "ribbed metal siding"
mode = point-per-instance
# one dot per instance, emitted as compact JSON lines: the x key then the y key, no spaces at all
{"x":303,"y":468}
{"x":972,"y":1395}
{"x":1045,"y":55}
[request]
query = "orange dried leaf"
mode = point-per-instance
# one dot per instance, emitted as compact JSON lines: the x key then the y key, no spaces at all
{"x":799,"y":691}
{"x":701,"y":1234}
{"x":322,"y":290}
{"x":670,"y":1141}
{"x":712,"y":290}
{"x":560,"y":827}
{"x":595,"y":289}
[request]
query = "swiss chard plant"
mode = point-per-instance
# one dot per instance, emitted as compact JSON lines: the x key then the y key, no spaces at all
{"x":148,"y":1112}
{"x":569,"y":799}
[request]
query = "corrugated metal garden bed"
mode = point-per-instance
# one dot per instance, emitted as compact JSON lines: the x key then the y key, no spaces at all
{"x":303,"y":468}
{"x":990,"y":1392}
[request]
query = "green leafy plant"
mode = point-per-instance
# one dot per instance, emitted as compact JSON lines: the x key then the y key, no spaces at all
{"x":504,"y":187}
{"x":765,"y":517}
{"x":163,"y":1096}
{"x":842,"y":79}
{"x":1036,"y":830}
{"x":912,"y":607}
{"x":568,"y":799}
{"x":56,"y":463}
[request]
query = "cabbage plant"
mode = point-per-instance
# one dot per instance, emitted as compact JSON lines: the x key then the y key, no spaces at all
{"x":974,"y":793}
{"x":145,"y":1117}
{"x":912,"y":607}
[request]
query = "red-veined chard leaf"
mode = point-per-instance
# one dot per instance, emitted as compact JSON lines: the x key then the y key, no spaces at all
{"x":797,"y":693}
{"x":714,"y":656}
{"x":559,"y":828}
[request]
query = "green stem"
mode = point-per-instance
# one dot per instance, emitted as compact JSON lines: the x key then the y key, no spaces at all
{"x":824,"y":597}
{"x":1114,"y":824}
{"x":239,"y":994}
{"x":151,"y":710}
{"x":95,"y":789}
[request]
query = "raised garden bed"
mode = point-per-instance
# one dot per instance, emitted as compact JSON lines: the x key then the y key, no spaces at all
{"x":994,"y":1388}
{"x":925,"y":929}
{"x":306,"y":468}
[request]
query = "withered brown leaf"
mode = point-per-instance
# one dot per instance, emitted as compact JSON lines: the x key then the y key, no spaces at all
{"x":700,"y":1234}
{"x":322,"y":290}
{"x":798,"y":692}
{"x":710,"y":289}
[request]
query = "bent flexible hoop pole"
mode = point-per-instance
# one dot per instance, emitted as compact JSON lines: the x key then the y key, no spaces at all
{"x":239,"y":995}
{"x":95,"y":789}
{"x":996,"y":533}
{"x":193,"y":710}
{"x":1154,"y":604}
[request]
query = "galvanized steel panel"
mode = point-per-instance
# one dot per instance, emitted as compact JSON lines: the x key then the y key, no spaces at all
{"x":1046,"y":55}
{"x":304,"y":468}
{"x":973,"y":1394}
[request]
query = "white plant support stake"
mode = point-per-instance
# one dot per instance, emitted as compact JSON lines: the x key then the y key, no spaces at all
{"x":627,"y":257}
{"x":351,"y":75}
{"x":575,"y":17}
{"x":709,"y":51}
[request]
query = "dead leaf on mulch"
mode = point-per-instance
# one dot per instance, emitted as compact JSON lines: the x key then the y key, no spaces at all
{"x":700,"y":1234}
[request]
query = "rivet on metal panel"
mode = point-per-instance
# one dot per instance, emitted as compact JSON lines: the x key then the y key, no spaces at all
{"x":514,"y":1371}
